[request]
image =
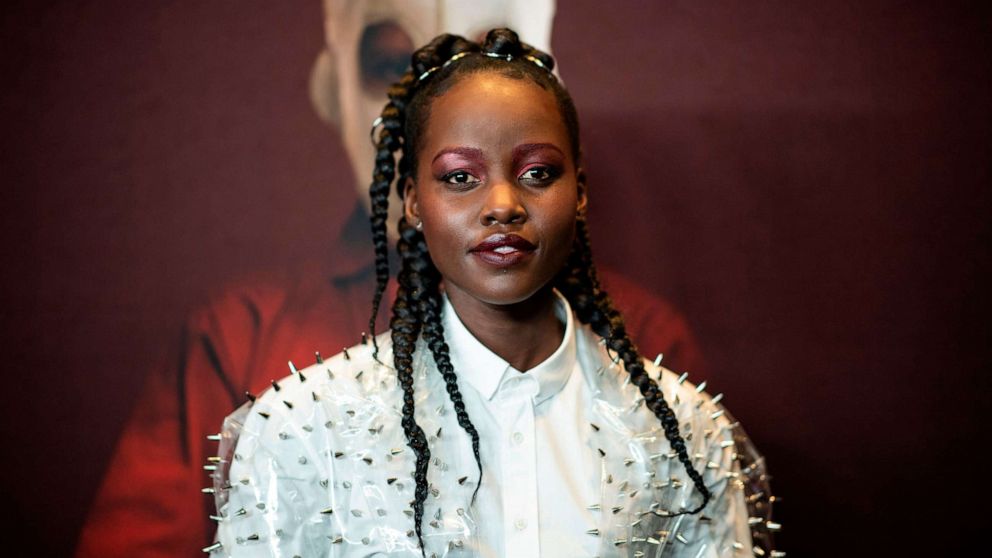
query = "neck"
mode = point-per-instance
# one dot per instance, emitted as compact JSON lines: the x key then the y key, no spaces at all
{"x":523,"y":334}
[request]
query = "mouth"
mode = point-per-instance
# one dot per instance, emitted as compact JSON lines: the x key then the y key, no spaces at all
{"x":503,"y":250}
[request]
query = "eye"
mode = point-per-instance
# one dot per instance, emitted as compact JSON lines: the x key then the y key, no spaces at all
{"x":538,"y":174}
{"x":459,"y":177}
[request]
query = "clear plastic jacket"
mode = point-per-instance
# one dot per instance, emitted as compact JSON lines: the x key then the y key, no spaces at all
{"x":318,"y":466}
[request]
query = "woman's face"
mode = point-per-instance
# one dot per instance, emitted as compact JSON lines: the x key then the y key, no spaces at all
{"x":497,"y":188}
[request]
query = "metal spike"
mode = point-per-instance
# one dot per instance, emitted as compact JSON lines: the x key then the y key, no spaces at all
{"x":617,"y":509}
{"x":717,"y":414}
{"x":601,"y":452}
{"x":680,"y":538}
{"x":437,"y":514}
{"x":275,"y":385}
{"x":209,"y":467}
{"x":701,"y":387}
{"x":214,"y":437}
{"x":327,"y":511}
{"x":356,"y":513}
{"x":593,"y":532}
{"x":249,"y":396}
{"x":336,"y":540}
{"x":212,"y":548}
{"x":657,"y":359}
{"x":396,"y":451}
{"x":462,"y":480}
{"x":330,"y":374}
{"x":717,"y":398}
{"x":264,"y":415}
{"x":390,"y":480}
{"x":208,"y":490}
{"x":292,"y":368}
{"x":628,"y":461}
{"x":682,"y":378}
{"x":315,"y":397}
{"x":367,"y":460}
{"x":320,"y":359}
{"x":288,"y":404}
{"x":216,"y":518}
{"x":365,"y":338}
{"x":346,"y":355}
{"x":594,"y":427}
{"x":594,"y":507}
{"x":359,"y":375}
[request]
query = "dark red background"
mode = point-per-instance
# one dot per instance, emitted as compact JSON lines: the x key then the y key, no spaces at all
{"x":808,"y":181}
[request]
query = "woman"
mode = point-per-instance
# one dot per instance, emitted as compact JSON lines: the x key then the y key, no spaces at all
{"x":551,"y":435}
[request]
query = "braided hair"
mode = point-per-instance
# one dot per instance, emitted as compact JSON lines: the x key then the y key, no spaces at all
{"x":416,"y":312}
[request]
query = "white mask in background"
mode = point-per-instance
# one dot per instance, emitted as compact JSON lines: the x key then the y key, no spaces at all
{"x":368,"y":45}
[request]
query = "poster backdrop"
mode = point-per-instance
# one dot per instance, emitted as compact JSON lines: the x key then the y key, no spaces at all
{"x":807,"y":181}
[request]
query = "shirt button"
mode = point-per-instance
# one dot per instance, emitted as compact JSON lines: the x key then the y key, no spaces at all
{"x":520,"y":524}
{"x":518,"y":438}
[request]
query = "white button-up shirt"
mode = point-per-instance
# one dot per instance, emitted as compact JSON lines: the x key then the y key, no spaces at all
{"x":539,"y":477}
{"x":573,"y":464}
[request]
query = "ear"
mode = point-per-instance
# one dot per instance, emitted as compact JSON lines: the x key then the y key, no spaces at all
{"x":324,"y":88}
{"x":583,"y":199}
{"x":410,"y":209}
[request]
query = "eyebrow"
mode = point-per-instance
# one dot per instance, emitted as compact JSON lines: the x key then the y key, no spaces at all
{"x":467,"y":152}
{"x":526,"y":149}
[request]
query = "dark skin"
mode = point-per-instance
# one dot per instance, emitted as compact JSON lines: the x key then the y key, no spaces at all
{"x":498,"y":192}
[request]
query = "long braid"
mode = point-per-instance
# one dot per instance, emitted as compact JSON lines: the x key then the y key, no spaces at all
{"x":405,"y":327}
{"x":579,"y":282}
{"x":388,"y":143}
{"x":434,"y":336}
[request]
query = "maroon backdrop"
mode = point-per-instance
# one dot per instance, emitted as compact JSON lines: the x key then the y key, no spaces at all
{"x":808,"y":181}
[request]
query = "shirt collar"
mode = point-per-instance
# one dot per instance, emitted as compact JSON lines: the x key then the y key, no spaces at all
{"x":486,"y":371}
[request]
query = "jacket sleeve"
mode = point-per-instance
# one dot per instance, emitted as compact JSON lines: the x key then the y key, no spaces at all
{"x":150,"y":502}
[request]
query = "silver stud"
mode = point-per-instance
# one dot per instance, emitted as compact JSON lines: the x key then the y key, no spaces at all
{"x":356,"y":513}
{"x":302,"y":460}
{"x":320,"y":359}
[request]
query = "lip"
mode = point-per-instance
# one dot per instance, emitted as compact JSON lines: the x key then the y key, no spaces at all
{"x":503,"y":250}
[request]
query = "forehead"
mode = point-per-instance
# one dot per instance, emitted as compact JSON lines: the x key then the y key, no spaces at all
{"x":488,"y":106}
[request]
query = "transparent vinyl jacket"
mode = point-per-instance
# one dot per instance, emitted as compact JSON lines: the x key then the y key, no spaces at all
{"x":318,"y":466}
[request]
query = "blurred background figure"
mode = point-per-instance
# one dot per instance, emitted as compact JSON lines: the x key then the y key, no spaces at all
{"x":149,"y":503}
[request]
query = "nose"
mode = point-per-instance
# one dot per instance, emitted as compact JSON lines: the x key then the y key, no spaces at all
{"x":503,"y":205}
